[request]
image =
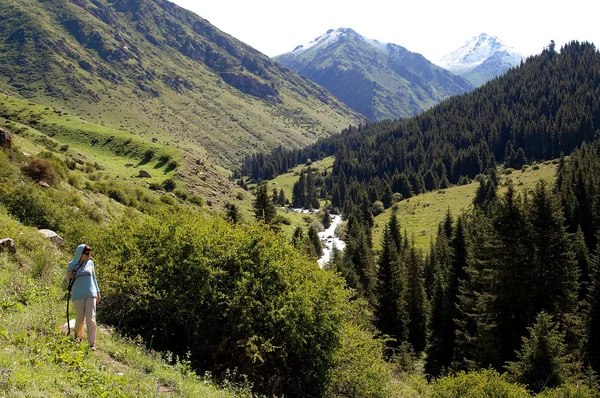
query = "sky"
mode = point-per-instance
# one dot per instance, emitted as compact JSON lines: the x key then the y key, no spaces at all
{"x":433,"y":28}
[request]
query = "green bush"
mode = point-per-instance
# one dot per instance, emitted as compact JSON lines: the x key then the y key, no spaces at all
{"x":40,"y":169}
{"x":236,"y":298}
{"x":569,"y":391}
{"x":169,"y":184}
{"x":181,"y":193}
{"x":197,"y":200}
{"x":480,"y":384}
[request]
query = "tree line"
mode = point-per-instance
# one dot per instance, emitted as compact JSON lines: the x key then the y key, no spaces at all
{"x":547,"y":105}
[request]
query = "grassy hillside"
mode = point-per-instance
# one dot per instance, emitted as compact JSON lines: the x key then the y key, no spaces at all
{"x":421,"y":214}
{"x":160,"y":72}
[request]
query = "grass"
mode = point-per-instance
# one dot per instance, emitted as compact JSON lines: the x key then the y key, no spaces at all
{"x":421,"y":214}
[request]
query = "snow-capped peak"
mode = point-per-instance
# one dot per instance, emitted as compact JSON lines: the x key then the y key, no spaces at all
{"x":333,"y":35}
{"x":475,"y":51}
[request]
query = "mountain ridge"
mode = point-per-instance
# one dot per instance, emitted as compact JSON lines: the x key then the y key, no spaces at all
{"x":162,"y":72}
{"x":379,"y":80}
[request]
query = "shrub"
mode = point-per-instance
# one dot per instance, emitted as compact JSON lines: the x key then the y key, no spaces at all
{"x":377,"y":208}
{"x":483,"y":383}
{"x":536,"y":167}
{"x":168,"y":200}
{"x":149,"y":155}
{"x":197,"y":200}
{"x":169,"y":184}
{"x":237,"y":298}
{"x":508,"y":171}
{"x":172,"y":165}
{"x":40,"y":169}
{"x":180,"y":193}
{"x":118,"y":195}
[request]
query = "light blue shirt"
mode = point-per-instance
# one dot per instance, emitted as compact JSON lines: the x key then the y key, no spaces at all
{"x":85,"y":284}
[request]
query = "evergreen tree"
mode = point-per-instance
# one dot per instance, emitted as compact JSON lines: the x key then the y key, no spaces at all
{"x":593,"y":313}
{"x":313,"y":236}
{"x":326,"y":219}
{"x":232,"y":212}
{"x":543,"y":360}
{"x":513,"y":278}
{"x":264,"y":210}
{"x":281,"y":198}
{"x":299,"y":191}
{"x":441,"y":329}
{"x":358,"y":261}
{"x":416,"y":300}
{"x":556,"y":286}
{"x":391,"y":317}
{"x":297,"y":237}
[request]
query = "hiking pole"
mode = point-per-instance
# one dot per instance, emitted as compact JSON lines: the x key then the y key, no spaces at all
{"x":68,"y":301}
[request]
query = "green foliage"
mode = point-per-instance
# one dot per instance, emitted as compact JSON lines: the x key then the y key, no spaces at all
{"x":242,"y":299}
{"x":264,"y":210}
{"x":169,"y":185}
{"x":543,"y":361}
{"x":40,"y":169}
{"x":481,"y":384}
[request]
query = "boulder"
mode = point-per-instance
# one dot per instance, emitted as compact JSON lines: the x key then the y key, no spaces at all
{"x":144,"y":174}
{"x":5,"y":139}
{"x":8,"y":245}
{"x":52,"y":236}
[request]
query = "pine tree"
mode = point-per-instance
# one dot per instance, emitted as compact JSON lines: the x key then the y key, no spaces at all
{"x":416,"y":301}
{"x":441,"y":331}
{"x":556,"y":286}
{"x":326,"y":219}
{"x":543,"y":360}
{"x":358,"y":261}
{"x":313,"y":236}
{"x":299,"y":191}
{"x":232,"y":212}
{"x":391,"y":317}
{"x":513,"y":278}
{"x":281,"y":198}
{"x":593,"y":313}
{"x":264,"y":210}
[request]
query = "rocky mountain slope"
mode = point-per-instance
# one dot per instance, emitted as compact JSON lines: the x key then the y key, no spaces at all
{"x":481,"y":59}
{"x":379,"y":80}
{"x":160,"y":72}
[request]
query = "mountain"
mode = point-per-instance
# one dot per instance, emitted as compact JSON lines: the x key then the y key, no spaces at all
{"x":162,"y":73}
{"x":481,"y":59}
{"x":379,"y":80}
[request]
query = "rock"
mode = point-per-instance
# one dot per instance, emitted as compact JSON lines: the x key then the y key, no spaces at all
{"x":144,"y":174}
{"x":8,"y":245}
{"x":128,"y":164}
{"x":26,"y":154}
{"x":52,"y":236}
{"x":5,"y":139}
{"x":43,"y":184}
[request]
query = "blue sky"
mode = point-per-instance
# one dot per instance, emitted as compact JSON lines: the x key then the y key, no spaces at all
{"x":430,"y":27}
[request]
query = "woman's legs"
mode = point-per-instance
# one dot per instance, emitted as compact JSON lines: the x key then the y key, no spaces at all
{"x":86,"y":309}
{"x":80,"y":315}
{"x":90,"y":317}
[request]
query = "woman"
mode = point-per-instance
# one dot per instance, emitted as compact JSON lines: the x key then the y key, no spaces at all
{"x":85,"y":292}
